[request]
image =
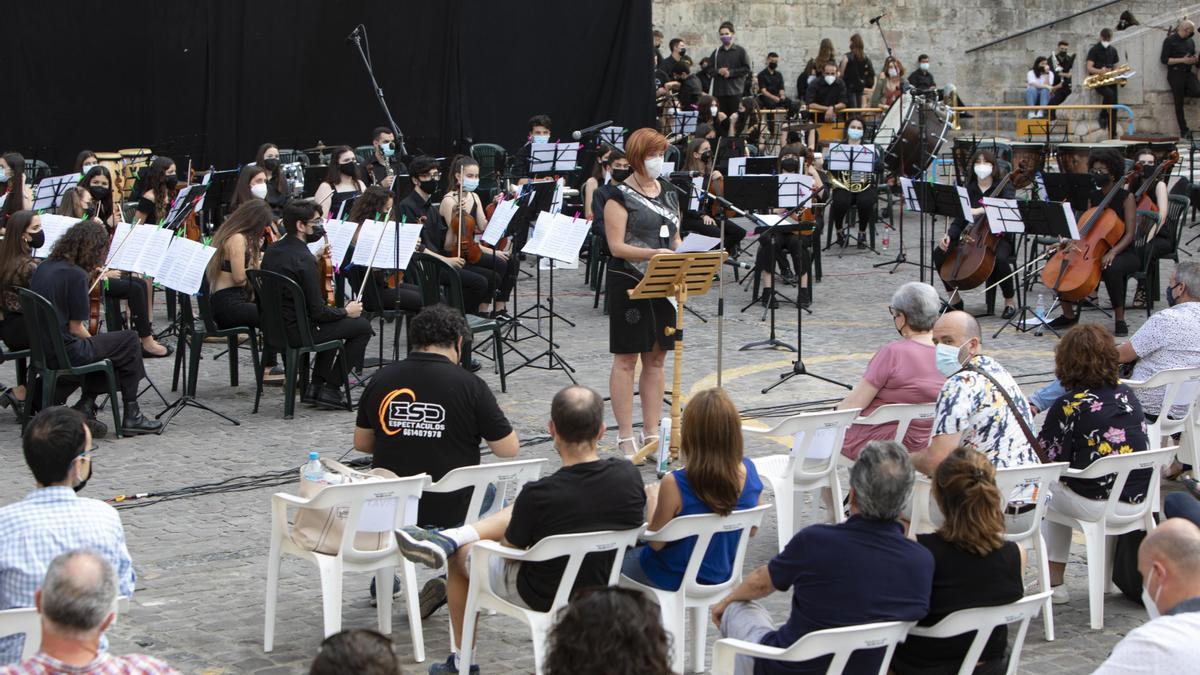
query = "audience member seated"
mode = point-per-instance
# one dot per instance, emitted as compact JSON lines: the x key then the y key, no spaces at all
{"x":971,"y":410}
{"x":718,"y":479}
{"x":1099,"y":416}
{"x":972,"y":567}
{"x":608,"y":630}
{"x":1169,"y":560}
{"x":359,"y":651}
{"x":76,"y":602}
{"x":902,"y":371}
{"x":1182,"y":505}
{"x":861,"y":571}
{"x":587,"y":494}
{"x":53,"y":519}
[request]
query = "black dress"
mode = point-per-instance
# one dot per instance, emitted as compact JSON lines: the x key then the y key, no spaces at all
{"x":635,"y":326}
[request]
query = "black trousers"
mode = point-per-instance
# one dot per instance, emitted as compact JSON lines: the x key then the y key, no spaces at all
{"x":733,"y":234}
{"x":123,"y":348}
{"x":1057,"y":97}
{"x":230,"y":308}
{"x":1003,"y":268}
{"x":377,"y":295}
{"x":328,"y":367}
{"x":133,"y":291}
{"x":864,"y":201}
{"x":13,"y":331}
{"x":1116,"y":276}
{"x":1108,"y":117}
{"x":728,"y":104}
{"x":495,"y":270}
{"x":1183,"y":84}
{"x":774,"y":246}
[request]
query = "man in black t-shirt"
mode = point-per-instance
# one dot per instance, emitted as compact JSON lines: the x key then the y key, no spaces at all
{"x":1179,"y":56}
{"x":539,"y":132}
{"x":1102,"y":58}
{"x":770,"y":85}
{"x":425,"y":414}
{"x":689,"y":91}
{"x":384,"y":165}
{"x":827,"y":95}
{"x":587,"y":494}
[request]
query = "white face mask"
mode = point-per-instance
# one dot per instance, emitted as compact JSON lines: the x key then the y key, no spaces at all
{"x":714,"y":110}
{"x":892,"y":72}
{"x":1105,"y":44}
{"x":1151,"y":602}
{"x":924,"y":66}
{"x":259,"y":190}
{"x":983,"y":171}
{"x":653,"y":166}
{"x":87,"y":167}
{"x":830,"y":79}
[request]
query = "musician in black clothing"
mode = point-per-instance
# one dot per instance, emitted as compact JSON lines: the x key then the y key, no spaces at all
{"x":1102,"y":58}
{"x":688,"y":91}
{"x":666,"y":66}
{"x":857,"y":71}
{"x":828,"y":94}
{"x":698,"y":157}
{"x":290,"y":257}
{"x":982,"y":182}
{"x":1179,"y":56}
{"x":771,"y":92}
{"x":730,"y":69}
{"x":921,"y":78}
{"x":385,"y":163}
{"x":539,"y":132}
{"x":1061,"y":64}
{"x":279,"y":190}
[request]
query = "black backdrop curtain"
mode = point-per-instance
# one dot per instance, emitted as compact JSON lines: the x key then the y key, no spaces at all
{"x":212,"y":79}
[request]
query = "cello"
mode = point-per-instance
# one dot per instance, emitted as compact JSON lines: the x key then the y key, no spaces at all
{"x":1143,"y":200}
{"x":973,"y":259}
{"x":1073,"y":272}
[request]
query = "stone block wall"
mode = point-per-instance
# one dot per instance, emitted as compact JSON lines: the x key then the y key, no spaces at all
{"x":944,"y":29}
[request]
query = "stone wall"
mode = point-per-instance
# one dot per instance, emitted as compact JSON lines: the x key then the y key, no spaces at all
{"x":944,"y":29}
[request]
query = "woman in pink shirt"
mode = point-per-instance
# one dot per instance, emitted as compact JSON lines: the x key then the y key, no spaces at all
{"x":903,"y":371}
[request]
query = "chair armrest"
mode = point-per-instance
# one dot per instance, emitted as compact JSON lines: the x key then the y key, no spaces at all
{"x":748,"y":648}
{"x":492,"y":548}
{"x":289,"y":499}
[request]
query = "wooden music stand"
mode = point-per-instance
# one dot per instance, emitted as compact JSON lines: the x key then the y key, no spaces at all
{"x":678,"y":275}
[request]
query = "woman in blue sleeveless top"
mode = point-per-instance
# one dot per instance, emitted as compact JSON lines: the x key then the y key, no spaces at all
{"x":717,"y":479}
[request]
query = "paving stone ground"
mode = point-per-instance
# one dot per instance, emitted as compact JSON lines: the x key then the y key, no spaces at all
{"x":201,"y":561}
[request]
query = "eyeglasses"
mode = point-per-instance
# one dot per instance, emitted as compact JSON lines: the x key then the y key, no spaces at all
{"x":893,"y":312}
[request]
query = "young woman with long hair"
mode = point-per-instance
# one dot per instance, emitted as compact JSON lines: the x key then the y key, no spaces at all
{"x":376,"y":204}
{"x":22,"y":235}
{"x":18,"y":195}
{"x":156,"y":184}
{"x":492,"y":263}
{"x":857,"y":71}
{"x":251,"y":185}
{"x":98,"y":181}
{"x":279,"y":190}
{"x":341,"y":182}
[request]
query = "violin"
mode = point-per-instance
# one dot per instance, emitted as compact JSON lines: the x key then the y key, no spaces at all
{"x":971,"y":262}
{"x":94,"y":310}
{"x":462,"y":230}
{"x":325,"y":274}
{"x":1146,"y":202}
{"x":190,"y":226}
{"x":1073,"y":272}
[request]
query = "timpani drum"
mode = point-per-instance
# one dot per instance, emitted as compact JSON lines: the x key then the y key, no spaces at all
{"x":112,"y":162}
{"x":133,"y":160}
{"x":965,"y":148}
{"x":1160,"y":145}
{"x":909,"y":148}
{"x":1032,"y":156}
{"x":1073,"y":157}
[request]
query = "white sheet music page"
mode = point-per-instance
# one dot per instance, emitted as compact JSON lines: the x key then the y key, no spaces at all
{"x":370,"y":234}
{"x":51,"y":190}
{"x":910,"y":195}
{"x":340,"y":234}
{"x":737,"y":166}
{"x":964,"y":200}
{"x":54,"y":227}
{"x":120,"y":233}
{"x":501,"y":217}
{"x":614,"y":136}
{"x":183,"y":268}
{"x":1071,"y":223}
{"x":698,"y":243}
{"x":794,"y":190}
{"x":153,"y":251}
{"x":204,"y":181}
{"x":565,"y":238}
{"x":126,"y":259}
{"x":1003,"y":215}
{"x":697,"y":193}
{"x":557,"y":203}
{"x":409,"y":235}
{"x":541,"y":228}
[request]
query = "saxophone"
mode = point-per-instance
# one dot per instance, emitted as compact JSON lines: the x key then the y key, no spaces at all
{"x":1119,"y":75}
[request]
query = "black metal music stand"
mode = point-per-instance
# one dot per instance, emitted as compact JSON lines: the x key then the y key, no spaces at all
{"x":761,"y":194}
{"x":1041,"y":219}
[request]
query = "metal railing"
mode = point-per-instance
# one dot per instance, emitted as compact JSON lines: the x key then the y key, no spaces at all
{"x":1040,"y":26}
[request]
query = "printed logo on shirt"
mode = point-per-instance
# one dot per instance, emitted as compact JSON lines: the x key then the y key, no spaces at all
{"x":402,"y":414}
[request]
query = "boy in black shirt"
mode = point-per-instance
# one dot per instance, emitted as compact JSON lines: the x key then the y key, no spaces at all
{"x":827,"y":95}
{"x":1102,"y":58}
{"x":587,"y":494}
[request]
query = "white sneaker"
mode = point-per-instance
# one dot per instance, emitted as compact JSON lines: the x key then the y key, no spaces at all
{"x":1059,"y":595}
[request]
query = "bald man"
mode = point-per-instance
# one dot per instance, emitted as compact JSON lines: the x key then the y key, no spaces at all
{"x":970,"y":409}
{"x":1169,"y":560}
{"x":1179,"y":56}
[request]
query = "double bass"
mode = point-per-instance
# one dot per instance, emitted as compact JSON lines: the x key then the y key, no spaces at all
{"x":1073,"y":272}
{"x":972,"y":260}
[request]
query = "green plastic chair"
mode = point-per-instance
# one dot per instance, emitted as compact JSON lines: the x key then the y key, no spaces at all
{"x":491,"y":158}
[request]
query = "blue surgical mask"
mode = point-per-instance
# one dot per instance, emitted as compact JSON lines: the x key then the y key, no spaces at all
{"x":388,"y":149}
{"x":3,"y":175}
{"x":470,"y":184}
{"x":539,"y":138}
{"x":854,"y":134}
{"x":947,"y":359}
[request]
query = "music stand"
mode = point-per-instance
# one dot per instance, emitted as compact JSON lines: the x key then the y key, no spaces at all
{"x":1073,"y":187}
{"x":761,"y":194}
{"x":1041,"y":219}
{"x":676,"y":275}
{"x":51,"y":190}
{"x":220,"y":192}
{"x":536,"y":197}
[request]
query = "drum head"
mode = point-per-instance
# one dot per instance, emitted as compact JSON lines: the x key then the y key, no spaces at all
{"x":920,"y":129}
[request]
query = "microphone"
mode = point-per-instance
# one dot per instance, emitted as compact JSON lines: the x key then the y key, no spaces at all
{"x":876,"y":19}
{"x":590,"y":130}
{"x":737,"y":263}
{"x":685,"y":174}
{"x":354,"y":35}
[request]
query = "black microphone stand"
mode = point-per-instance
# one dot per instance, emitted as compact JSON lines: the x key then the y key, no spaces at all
{"x":358,"y":37}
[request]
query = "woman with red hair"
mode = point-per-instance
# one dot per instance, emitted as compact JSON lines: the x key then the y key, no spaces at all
{"x":641,"y":220}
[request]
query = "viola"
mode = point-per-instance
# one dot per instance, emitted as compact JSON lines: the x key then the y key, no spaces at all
{"x":972,"y":260}
{"x":94,"y":310}
{"x":462,"y":231}
{"x":1073,"y":272}
{"x":489,"y":211}
{"x":325,"y":274}
{"x":190,"y":226}
{"x":1146,"y":202}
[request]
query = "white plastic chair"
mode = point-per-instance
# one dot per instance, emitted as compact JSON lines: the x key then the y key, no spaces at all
{"x":685,"y":611}
{"x":982,"y":620}
{"x":1182,"y":388}
{"x":902,"y":413}
{"x":574,"y":547}
{"x":1099,"y":535}
{"x":1018,"y":479}
{"x":374,"y":506}
{"x":840,"y":643}
{"x":26,"y":621}
{"x":812,"y":464}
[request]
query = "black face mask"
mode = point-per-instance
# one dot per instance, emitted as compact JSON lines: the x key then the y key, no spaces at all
{"x":429,"y":187}
{"x":706,"y":157}
{"x":789,"y":164}
{"x":620,"y":175}
{"x":83,"y":483}
{"x":348,"y":169}
{"x":171,"y":181}
{"x":1101,"y":180}
{"x":315,"y":235}
{"x":683,"y":52}
{"x":89,"y":212}
{"x":772,"y":66}
{"x":99,"y":192}
{"x":37,"y":239}
{"x":271,"y":164}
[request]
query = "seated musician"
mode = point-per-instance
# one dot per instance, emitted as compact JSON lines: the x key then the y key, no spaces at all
{"x":279,"y":189}
{"x":1106,"y":167}
{"x":853,"y":188}
{"x":712,"y":116}
{"x":85,"y":160}
{"x":98,"y":181}
{"x":888,"y":85}
{"x":780,"y":244}
{"x":982,"y":182}
{"x":64,"y":279}
{"x":16,"y":267}
{"x":491,"y":262}
{"x":239,"y":247}
{"x":699,"y":157}
{"x":827,"y":95}
{"x":341,"y":182}
{"x":478,"y":283}
{"x":921,"y":79}
{"x":377,"y":204}
{"x":539,"y":132}
{"x":771,"y":92}
{"x":79,"y":203}
{"x":1159,"y":240}
{"x":689,"y":86}
{"x":384,"y":164}
{"x":251,"y":185}
{"x":154,"y":191}
{"x":601,"y":176}
{"x":17,"y":193}
{"x":290,"y":257}
{"x":600,"y":196}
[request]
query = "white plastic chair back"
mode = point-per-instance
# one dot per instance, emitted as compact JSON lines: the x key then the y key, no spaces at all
{"x":1019,"y":480}
{"x":903,"y":413}
{"x":982,"y":620}
{"x":1122,"y":466}
{"x":23,"y":621}
{"x":573,"y":547}
{"x":374,"y":506}
{"x":503,"y":475}
{"x":1181,"y":389}
{"x":840,"y":643}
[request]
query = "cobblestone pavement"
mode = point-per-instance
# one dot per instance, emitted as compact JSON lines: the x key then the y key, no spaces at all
{"x":201,"y":561}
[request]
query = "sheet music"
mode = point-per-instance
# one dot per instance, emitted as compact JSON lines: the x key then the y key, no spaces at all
{"x":697,"y":193}
{"x":698,"y":243}
{"x":340,"y":234}
{"x":151,"y":260}
{"x":614,"y":136}
{"x":409,"y":235}
{"x":1003,"y":215}
{"x":126,"y":259}
{"x":685,"y":121}
{"x":545,"y":157}
{"x":821,"y":446}
{"x":205,"y":181}
{"x":184,"y":265}
{"x":556,"y":204}
{"x":185,"y":197}
{"x":737,"y":166}
{"x":964,"y":200}
{"x":316,"y":247}
{"x":501,"y":217}
{"x":1070,"y":216}
{"x":51,"y":190}
{"x":794,"y":189}
{"x":370,"y":234}
{"x":668,"y":168}
{"x":564,"y":238}
{"x":541,"y":227}
{"x":845,"y":157}
{"x":769,"y":219}
{"x":910,"y":195}
{"x":54,"y":227}
{"x":119,"y":234}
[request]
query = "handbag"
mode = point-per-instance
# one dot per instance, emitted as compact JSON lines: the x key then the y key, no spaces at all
{"x":320,"y":530}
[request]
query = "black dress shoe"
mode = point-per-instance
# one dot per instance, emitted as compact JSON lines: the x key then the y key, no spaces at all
{"x":148,"y":355}
{"x":1120,"y":329}
{"x":1064,"y":322}
{"x":473,"y":365}
{"x":1009,"y":312}
{"x":768,"y":299}
{"x":134,"y":423}
{"x":331,"y":397}
{"x":311,"y":392}
{"x":87,"y":406}
{"x":788,"y":278}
